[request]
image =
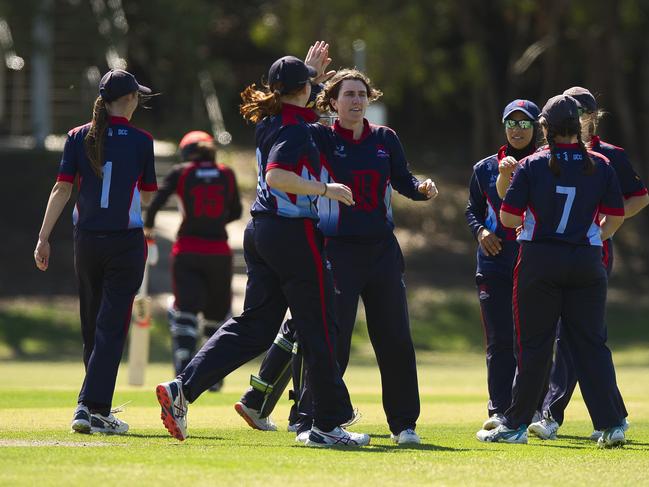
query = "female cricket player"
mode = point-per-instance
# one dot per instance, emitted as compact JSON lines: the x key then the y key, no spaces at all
{"x":115,"y":167}
{"x":563,"y":378}
{"x":284,"y":255}
{"x":497,"y":252}
{"x":201,"y":259}
{"x":557,"y":195}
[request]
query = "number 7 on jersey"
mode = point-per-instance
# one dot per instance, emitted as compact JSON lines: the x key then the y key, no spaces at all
{"x":570,"y":192}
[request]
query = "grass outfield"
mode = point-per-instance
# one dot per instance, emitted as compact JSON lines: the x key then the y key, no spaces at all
{"x":37,"y":399}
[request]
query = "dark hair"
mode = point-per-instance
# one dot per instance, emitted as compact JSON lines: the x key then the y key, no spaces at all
{"x":333,"y":86}
{"x":569,"y":127}
{"x":258,"y":104}
{"x":94,"y":140}
{"x":200,"y":151}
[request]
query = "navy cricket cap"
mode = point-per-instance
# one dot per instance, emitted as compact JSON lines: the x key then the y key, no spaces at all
{"x":117,"y":83}
{"x":527,"y":107}
{"x":291,"y":72}
{"x":584,"y":97}
{"x":560,"y":109}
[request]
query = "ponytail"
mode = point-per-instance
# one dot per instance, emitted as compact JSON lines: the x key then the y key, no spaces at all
{"x":258,"y":104}
{"x":589,"y":164}
{"x":555,"y":167}
{"x":94,"y":141}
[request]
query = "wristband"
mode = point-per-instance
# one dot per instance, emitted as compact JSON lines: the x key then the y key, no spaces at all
{"x":325,"y":190}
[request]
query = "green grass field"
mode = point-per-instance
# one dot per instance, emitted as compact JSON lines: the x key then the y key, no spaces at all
{"x":37,"y":400}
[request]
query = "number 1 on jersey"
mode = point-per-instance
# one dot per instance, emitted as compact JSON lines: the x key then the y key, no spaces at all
{"x":569,"y":191}
{"x":105,"y":184}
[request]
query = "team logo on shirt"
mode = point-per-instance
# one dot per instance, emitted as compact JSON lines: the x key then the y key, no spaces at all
{"x":381,"y":152}
{"x":492,"y":180}
{"x":340,"y":151}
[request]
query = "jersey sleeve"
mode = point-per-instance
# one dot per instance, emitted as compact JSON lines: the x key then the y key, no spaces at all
{"x":148,"y":181}
{"x":400,"y":176}
{"x":476,"y":207}
{"x":288,"y":148}
{"x":518,"y":193}
{"x":612,"y":203}
{"x":69,"y":162}
{"x":167,"y":188}
{"x":630,"y":183}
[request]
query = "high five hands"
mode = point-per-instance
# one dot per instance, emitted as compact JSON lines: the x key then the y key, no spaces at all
{"x":318,"y":58}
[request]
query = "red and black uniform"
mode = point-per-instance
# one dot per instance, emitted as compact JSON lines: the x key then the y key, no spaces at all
{"x":109,"y":246}
{"x":208,"y":198}
{"x":559,"y":274}
{"x":563,"y":377}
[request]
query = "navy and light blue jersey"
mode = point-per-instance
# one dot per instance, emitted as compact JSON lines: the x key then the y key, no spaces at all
{"x":563,"y":208}
{"x":110,"y":203}
{"x":630,"y":183}
{"x":483,"y":211}
{"x":371,"y":166}
{"x":284,"y":141}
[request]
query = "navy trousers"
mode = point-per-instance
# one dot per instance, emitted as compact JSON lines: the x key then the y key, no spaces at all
{"x":374,"y":272}
{"x":286,"y":268}
{"x":552,"y":281}
{"x":495,"y":295}
{"x":109,"y":268}
{"x":563,"y":377}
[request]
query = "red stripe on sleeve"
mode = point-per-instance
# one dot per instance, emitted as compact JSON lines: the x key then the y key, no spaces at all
{"x":279,"y":165}
{"x":640,"y":192}
{"x":149,"y":187}
{"x":65,"y":178}
{"x":611,"y":211}
{"x":511,"y":209}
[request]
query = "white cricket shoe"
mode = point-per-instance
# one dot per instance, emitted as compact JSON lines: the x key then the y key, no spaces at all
{"x":493,"y":422}
{"x":251,"y":416}
{"x":406,"y":437}
{"x":302,"y":437}
{"x":597,"y":434}
{"x":336,"y":437}
{"x":174,"y":408}
{"x":546,"y":429}
{"x":504,"y":434}
{"x":612,"y":437}
{"x":538,"y":416}
{"x":107,"y":424}
{"x":81,"y":420}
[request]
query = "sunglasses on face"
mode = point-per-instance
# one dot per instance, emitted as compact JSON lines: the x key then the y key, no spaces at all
{"x":523,"y":124}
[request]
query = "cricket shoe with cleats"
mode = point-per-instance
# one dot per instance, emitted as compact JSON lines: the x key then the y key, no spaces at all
{"x":109,"y":425}
{"x":406,"y":437}
{"x":493,"y":422}
{"x":336,"y":437}
{"x":251,"y":416}
{"x":597,"y":434}
{"x":612,"y":437}
{"x":303,"y":436}
{"x":546,"y":428}
{"x":81,"y":420}
{"x":503,"y":434}
{"x":174,"y":408}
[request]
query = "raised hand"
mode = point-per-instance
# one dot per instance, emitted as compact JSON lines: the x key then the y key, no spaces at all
{"x":318,"y":58}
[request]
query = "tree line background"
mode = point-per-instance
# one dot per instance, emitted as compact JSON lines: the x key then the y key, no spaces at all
{"x":446,"y":67}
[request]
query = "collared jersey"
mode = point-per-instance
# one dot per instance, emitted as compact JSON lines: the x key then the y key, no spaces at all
{"x":483,"y":211}
{"x":284,"y":141}
{"x":112,"y":202}
{"x":371,"y":166}
{"x":208,"y":198}
{"x":630,"y":183}
{"x":563,"y":208}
